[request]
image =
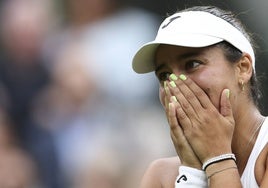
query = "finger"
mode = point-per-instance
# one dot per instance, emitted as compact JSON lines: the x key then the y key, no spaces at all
{"x":166,"y":98}
{"x":182,"y":146}
{"x":225,"y":105}
{"x":173,"y":123}
{"x":189,"y":96}
{"x":175,"y":128}
{"x":185,"y":105}
{"x":183,"y":119}
{"x":167,"y":95}
{"x":162,"y":96}
{"x":200,"y":95}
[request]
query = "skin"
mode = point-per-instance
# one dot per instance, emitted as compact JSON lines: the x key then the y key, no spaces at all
{"x":210,"y":116}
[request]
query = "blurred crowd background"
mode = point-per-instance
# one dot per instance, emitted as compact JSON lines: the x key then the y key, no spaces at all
{"x":73,"y":114}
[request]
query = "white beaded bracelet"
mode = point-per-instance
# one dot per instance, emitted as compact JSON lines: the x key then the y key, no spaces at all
{"x":218,"y":159}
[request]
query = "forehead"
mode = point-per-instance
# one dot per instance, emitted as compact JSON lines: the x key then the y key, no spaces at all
{"x":164,"y":49}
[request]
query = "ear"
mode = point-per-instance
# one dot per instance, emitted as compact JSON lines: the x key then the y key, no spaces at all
{"x":244,"y":68}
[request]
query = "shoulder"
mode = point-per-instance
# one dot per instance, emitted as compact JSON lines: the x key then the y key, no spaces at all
{"x":261,"y":168}
{"x":161,"y":173}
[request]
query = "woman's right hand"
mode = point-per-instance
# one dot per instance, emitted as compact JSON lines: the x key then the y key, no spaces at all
{"x":182,"y":146}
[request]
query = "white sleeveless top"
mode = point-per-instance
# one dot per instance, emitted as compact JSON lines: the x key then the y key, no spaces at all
{"x":248,"y":177}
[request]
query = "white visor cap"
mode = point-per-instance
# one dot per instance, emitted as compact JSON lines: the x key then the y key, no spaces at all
{"x":191,"y":29}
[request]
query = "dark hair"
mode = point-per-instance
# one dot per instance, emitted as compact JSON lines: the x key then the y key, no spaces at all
{"x":232,"y":53}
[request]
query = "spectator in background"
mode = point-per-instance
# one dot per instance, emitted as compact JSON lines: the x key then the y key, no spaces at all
{"x":24,"y":26}
{"x":65,"y":109}
{"x":110,"y":32}
{"x":17,"y":167}
{"x":108,"y":35}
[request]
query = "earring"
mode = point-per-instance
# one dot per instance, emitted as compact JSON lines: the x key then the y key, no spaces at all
{"x":242,"y":85}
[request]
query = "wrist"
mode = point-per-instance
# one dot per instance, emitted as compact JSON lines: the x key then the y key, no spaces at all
{"x":217,"y":159}
{"x":211,"y":169}
{"x":191,"y":177}
{"x":192,"y":165}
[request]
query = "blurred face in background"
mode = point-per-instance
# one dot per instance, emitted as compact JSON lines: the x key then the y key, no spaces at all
{"x":23,"y":28}
{"x":81,"y":12}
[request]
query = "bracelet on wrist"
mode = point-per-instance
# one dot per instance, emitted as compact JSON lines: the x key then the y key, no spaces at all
{"x":222,"y":170}
{"x":228,"y":156}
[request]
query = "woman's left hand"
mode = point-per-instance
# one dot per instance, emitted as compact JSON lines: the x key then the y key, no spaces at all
{"x":208,"y":130}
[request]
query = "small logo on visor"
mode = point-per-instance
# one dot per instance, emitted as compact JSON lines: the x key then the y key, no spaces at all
{"x":170,"y":20}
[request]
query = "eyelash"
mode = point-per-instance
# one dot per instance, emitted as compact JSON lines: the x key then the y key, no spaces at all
{"x":163,"y":76}
{"x":189,"y":65}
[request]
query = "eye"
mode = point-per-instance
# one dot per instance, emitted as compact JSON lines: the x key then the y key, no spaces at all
{"x":163,"y":76}
{"x":193,"y":64}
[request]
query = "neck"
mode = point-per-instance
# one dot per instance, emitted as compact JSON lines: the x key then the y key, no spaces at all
{"x":246,"y":131}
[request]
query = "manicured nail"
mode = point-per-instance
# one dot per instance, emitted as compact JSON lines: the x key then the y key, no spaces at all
{"x":173,"y":77}
{"x":166,"y":87}
{"x":183,"y":77}
{"x":174,"y":99}
{"x":227,"y":93}
{"x":172,"y":83}
{"x":165,"y":84}
{"x":170,"y":105}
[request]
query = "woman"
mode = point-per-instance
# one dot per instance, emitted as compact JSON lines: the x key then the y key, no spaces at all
{"x":205,"y":64}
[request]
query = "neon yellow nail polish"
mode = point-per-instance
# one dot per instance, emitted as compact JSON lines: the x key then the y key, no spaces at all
{"x":183,"y":77}
{"x":174,"y":99}
{"x":170,"y":105}
{"x":228,"y":93}
{"x":173,"y":77}
{"x":165,"y":86}
{"x":172,"y":83}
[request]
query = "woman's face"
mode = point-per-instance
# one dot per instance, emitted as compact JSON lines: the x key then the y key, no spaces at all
{"x":207,"y":67}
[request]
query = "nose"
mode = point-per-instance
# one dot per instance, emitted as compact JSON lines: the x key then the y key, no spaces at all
{"x":177,"y":71}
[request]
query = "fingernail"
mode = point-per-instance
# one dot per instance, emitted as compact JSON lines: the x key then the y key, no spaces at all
{"x":173,"y":77}
{"x":165,"y":86}
{"x":172,"y":83}
{"x":170,"y":105}
{"x":183,"y":77}
{"x":227,"y":93}
{"x":174,"y":99}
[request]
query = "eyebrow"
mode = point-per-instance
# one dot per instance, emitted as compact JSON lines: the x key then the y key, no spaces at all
{"x":189,"y":55}
{"x":180,"y":58}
